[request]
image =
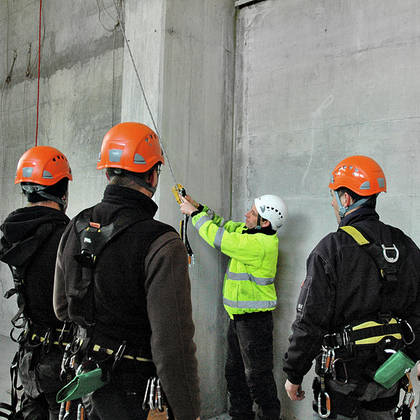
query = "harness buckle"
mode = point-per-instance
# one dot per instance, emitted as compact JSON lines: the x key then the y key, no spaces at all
{"x":119,"y":354}
{"x":388,"y":258}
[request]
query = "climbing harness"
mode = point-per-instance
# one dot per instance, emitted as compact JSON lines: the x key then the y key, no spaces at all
{"x":387,"y":329}
{"x":404,"y":410}
{"x":93,"y":238}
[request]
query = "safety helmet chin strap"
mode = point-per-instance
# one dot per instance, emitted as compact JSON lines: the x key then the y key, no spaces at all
{"x":133,"y":177}
{"x":140,"y":181}
{"x":343,"y":210}
{"x":258,"y":227}
{"x":39,"y":189}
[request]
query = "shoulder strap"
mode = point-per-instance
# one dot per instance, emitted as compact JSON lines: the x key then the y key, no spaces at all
{"x":386,"y":258}
{"x":20,"y":319}
{"x":93,"y":239}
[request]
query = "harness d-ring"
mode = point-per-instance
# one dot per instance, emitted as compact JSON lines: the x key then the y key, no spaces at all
{"x":390,"y":248}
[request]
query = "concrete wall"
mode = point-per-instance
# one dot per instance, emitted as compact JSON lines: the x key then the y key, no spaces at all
{"x":265,"y":98}
{"x":183,"y":52}
{"x":318,"y":81}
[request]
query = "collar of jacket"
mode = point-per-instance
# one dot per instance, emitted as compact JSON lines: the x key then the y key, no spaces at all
{"x":362,"y":214}
{"x":23,"y":222}
{"x":130,"y":197}
{"x":266,"y":230}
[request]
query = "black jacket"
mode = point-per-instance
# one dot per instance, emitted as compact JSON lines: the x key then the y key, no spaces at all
{"x":343,"y":285}
{"x":31,"y":236}
{"x":141,"y":292}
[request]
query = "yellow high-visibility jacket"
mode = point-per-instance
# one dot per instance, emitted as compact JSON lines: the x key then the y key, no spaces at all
{"x":249,"y":278}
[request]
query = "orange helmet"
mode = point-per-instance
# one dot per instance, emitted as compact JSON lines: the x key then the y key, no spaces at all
{"x":43,"y":165}
{"x":131,"y":146}
{"x":359,"y":174}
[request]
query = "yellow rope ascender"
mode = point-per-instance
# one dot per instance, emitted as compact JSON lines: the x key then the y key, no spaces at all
{"x":179,"y":191}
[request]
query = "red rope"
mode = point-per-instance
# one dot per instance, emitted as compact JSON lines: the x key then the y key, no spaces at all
{"x":39,"y":71}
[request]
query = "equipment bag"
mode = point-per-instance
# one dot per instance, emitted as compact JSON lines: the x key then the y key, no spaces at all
{"x":82,"y":384}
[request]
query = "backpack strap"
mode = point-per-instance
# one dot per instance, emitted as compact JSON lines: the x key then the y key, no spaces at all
{"x":21,"y":318}
{"x":387,"y":259}
{"x":93,"y":238}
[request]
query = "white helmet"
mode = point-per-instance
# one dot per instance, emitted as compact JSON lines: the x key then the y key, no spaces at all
{"x":273,"y":209}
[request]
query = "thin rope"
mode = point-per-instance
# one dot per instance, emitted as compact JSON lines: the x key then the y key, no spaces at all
{"x":39,"y":71}
{"x":143,"y":92}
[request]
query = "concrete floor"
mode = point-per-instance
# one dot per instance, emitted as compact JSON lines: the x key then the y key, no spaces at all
{"x":7,"y":351}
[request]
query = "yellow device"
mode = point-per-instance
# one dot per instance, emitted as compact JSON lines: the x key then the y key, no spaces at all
{"x":178,"y":190}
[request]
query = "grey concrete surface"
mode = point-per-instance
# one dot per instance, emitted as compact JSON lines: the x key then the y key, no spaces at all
{"x":264,"y":98}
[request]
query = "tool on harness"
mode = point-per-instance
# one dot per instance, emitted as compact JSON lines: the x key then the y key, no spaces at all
{"x":326,"y":366}
{"x":155,"y":401}
{"x":393,"y":369}
{"x":404,"y":410}
{"x":87,"y":380}
{"x":178,"y":190}
{"x":324,"y":400}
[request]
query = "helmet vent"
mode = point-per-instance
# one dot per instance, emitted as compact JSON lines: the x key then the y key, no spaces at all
{"x":139,"y":159}
{"x":115,"y":155}
{"x":47,"y":175}
{"x":27,"y":172}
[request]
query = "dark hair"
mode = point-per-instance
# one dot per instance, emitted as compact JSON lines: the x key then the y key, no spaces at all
{"x":125,"y":178}
{"x":356,"y":197}
{"x":58,"y":190}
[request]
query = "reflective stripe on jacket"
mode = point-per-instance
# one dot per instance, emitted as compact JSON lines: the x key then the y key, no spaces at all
{"x":249,"y":279}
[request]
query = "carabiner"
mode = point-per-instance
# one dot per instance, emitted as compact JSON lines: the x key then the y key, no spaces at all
{"x":146,"y":395}
{"x":152,"y":402}
{"x":159,"y":395}
{"x":334,"y":372}
{"x":327,"y":404}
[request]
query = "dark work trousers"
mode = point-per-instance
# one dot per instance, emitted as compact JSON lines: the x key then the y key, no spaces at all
{"x":39,"y":372}
{"x":249,"y":367}
{"x":122,"y":398}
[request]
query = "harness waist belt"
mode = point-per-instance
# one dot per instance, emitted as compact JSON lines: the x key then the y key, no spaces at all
{"x":98,"y":349}
{"x":366,"y":333}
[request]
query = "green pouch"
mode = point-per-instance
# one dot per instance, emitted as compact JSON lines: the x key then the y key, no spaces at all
{"x":81,"y":385}
{"x":393,"y":369}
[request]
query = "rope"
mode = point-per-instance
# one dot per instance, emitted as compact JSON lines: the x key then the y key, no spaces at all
{"x":39,"y":71}
{"x":143,"y":92}
{"x":102,"y":8}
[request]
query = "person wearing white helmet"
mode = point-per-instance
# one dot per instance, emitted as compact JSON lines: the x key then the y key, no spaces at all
{"x":249,"y":297}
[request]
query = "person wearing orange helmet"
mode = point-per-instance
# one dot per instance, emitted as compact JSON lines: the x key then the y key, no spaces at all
{"x":134,"y":305}
{"x":29,"y":246}
{"x":358,"y":306}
